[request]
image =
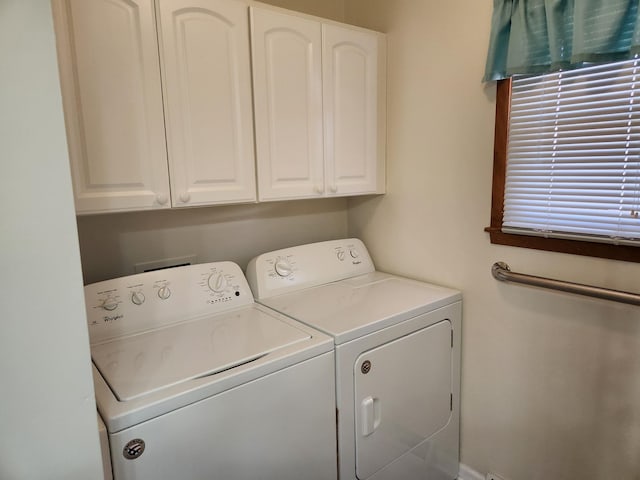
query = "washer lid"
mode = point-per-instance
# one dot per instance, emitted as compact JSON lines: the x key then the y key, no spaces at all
{"x":351,"y":308}
{"x":140,"y":364}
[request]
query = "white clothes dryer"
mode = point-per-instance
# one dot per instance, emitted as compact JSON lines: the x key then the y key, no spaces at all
{"x":397,"y":344}
{"x":196,"y":381}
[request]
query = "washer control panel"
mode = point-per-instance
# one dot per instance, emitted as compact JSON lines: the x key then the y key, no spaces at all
{"x":304,"y":266}
{"x":150,"y":300}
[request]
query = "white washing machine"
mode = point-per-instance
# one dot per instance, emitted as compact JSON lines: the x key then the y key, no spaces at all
{"x":196,"y":381}
{"x":397,"y":344}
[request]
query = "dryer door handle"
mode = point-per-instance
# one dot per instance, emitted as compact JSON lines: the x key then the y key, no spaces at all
{"x":370,"y":415}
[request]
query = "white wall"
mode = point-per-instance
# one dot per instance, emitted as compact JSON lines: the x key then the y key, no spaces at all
{"x":47,"y":410}
{"x":111,"y":244}
{"x":333,"y":9}
{"x":551,"y":382}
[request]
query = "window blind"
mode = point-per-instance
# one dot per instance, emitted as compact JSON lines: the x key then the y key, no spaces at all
{"x":573,"y":159}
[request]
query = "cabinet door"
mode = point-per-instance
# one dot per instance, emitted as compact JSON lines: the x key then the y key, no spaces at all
{"x":287,"y":81}
{"x":110,"y":76}
{"x":354,"y":139}
{"x":207,"y":91}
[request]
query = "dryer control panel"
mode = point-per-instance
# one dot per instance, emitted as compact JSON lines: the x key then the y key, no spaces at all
{"x":304,"y":266}
{"x":150,"y":300}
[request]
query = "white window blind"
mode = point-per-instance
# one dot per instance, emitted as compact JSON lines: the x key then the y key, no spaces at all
{"x":573,"y":159}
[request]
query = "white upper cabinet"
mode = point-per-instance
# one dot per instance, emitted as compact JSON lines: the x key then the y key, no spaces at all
{"x":353,"y":111}
{"x":111,"y":75}
{"x":319,"y":95}
{"x":206,"y":72}
{"x":108,"y":57}
{"x":287,"y":72}
{"x":161,"y":100}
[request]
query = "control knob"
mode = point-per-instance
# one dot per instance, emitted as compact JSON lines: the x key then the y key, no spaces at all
{"x":354,"y":253}
{"x":283,"y":267}
{"x":164,"y":292}
{"x":109,"y":304}
{"x":137,"y":298}
{"x":218,"y":283}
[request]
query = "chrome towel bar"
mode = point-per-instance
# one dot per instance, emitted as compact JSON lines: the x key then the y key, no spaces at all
{"x":502,"y":272}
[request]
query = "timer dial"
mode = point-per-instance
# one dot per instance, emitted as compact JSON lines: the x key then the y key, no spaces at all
{"x":218,"y":283}
{"x":283,"y":267}
{"x":109,"y":304}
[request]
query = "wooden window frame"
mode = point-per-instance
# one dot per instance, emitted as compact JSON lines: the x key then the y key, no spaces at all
{"x":497,"y":236}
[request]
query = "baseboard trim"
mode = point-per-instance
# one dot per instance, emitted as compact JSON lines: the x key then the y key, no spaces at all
{"x":467,"y":473}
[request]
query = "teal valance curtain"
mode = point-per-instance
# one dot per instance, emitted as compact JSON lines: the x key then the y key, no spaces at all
{"x":541,"y":36}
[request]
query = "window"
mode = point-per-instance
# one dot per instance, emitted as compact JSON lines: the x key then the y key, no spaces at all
{"x":567,"y":162}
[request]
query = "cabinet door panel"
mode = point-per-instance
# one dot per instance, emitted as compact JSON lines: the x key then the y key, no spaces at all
{"x":288,"y":105}
{"x":113,"y":104}
{"x":350,"y":83}
{"x":207,"y":86}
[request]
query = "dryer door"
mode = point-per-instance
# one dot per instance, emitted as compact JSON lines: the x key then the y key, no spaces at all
{"x":402,"y":395}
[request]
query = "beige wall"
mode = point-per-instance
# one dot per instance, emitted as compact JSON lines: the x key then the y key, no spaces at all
{"x":551,"y":382}
{"x":112,"y":244}
{"x":333,"y":9}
